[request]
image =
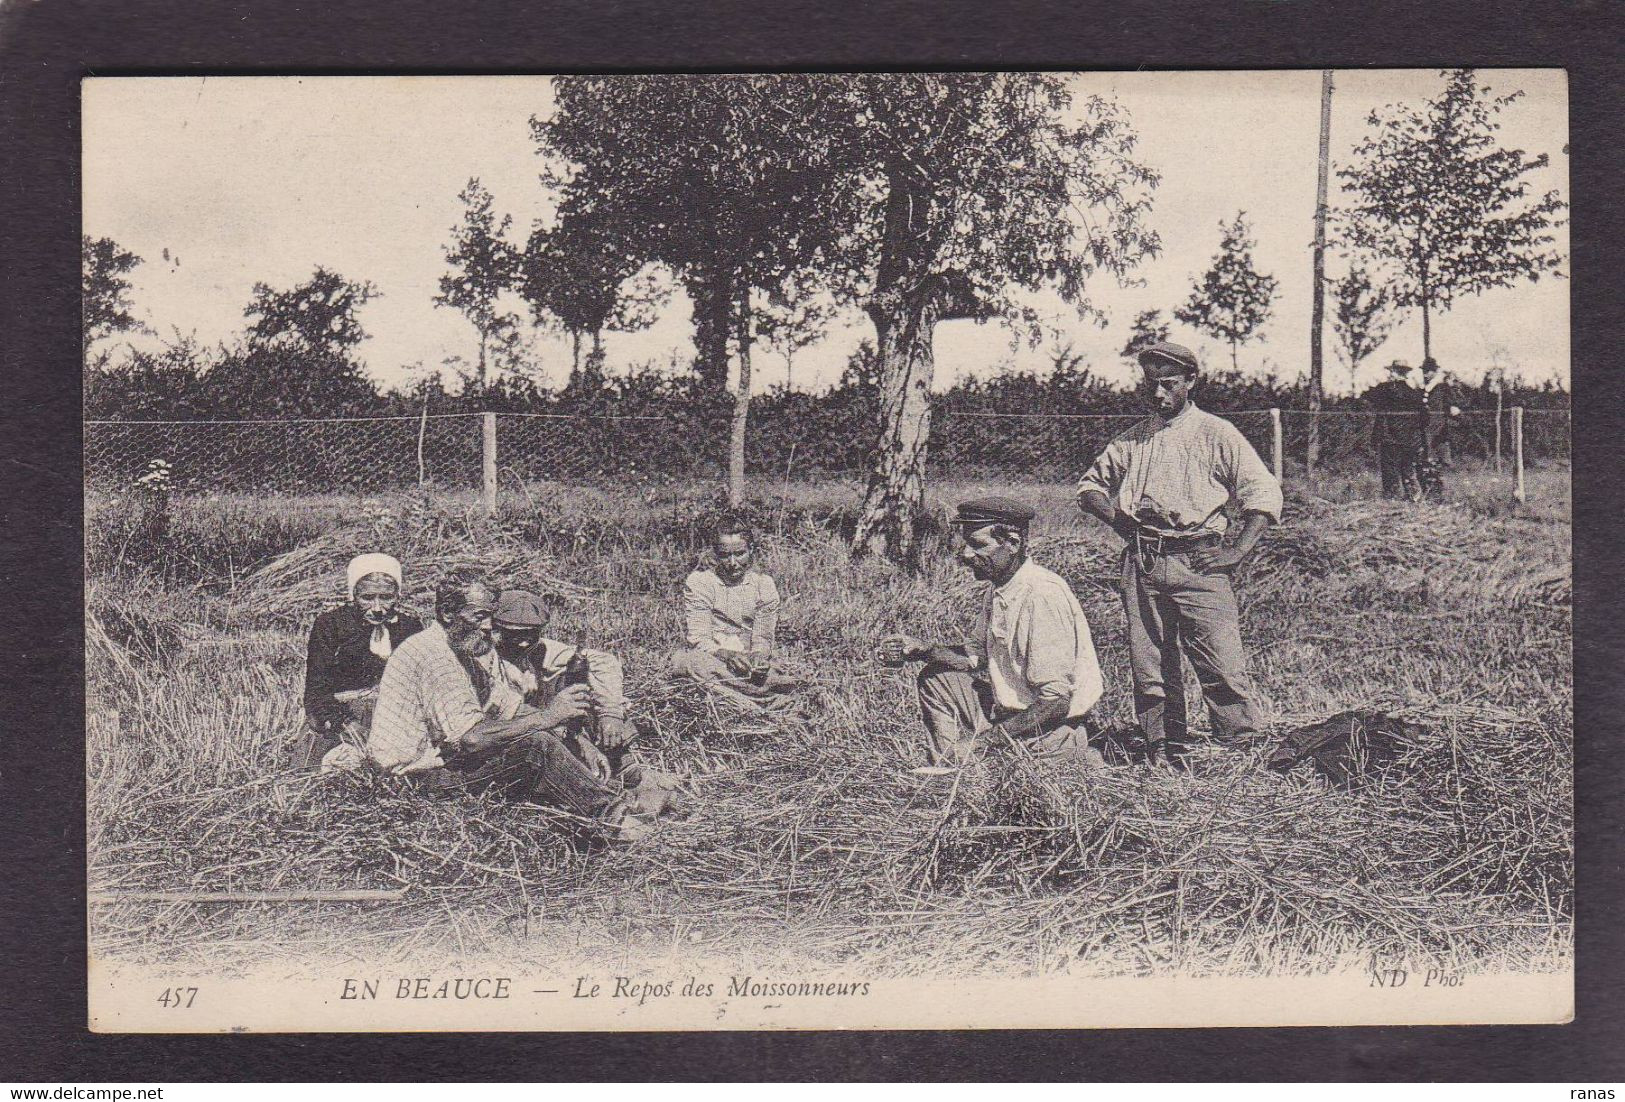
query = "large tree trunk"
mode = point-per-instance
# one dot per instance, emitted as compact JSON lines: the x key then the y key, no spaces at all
{"x":710,"y":287}
{"x":910,"y":298}
{"x":483,"y":339}
{"x":896,"y":492}
{"x":741,"y":418}
{"x":1427,"y":329}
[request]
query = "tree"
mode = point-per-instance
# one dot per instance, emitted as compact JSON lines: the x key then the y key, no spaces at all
{"x":1362,"y":317}
{"x":1437,"y":199}
{"x":969,"y":188}
{"x":1233,"y":298}
{"x":717,"y":178}
{"x":578,"y":277}
{"x":318,"y":314}
{"x":298,"y":356}
{"x":1148,"y":329}
{"x":791,"y":317}
{"x":104,"y":292}
{"x":483,"y":266}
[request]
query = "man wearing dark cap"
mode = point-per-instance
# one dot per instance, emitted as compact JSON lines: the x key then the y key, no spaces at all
{"x":1030,"y":676}
{"x":533,"y":669}
{"x":1399,"y":407}
{"x":1163,"y":486}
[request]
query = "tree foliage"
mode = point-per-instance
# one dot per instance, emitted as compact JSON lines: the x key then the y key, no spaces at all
{"x":298,"y":358}
{"x":1437,"y":200}
{"x":582,"y":280}
{"x":1233,"y":298}
{"x":970,"y":190}
{"x":104,"y":292}
{"x":1363,"y":314}
{"x":714,"y":177}
{"x":483,"y":266}
{"x":319,"y":314}
{"x":1148,"y":329}
{"x":792,"y":316}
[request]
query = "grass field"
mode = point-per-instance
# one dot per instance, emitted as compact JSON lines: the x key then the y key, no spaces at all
{"x":812,"y":845}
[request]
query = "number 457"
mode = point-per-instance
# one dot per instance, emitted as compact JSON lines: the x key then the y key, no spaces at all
{"x":177,"y":997}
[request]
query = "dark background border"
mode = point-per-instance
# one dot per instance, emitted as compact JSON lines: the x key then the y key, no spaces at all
{"x":46,"y":47}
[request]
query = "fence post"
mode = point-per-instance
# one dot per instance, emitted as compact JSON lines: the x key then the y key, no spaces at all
{"x":1275,"y":442}
{"x":488,"y":462}
{"x":1498,"y":431}
{"x":1518,"y":492}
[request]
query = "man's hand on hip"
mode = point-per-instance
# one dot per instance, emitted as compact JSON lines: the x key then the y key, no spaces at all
{"x":1216,"y":560}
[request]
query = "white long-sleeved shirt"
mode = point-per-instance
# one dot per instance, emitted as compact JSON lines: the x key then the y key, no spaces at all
{"x":742,"y":617}
{"x":1038,"y":643}
{"x":1175,"y":477}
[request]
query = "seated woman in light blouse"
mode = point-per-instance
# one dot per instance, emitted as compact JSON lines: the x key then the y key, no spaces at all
{"x":730,"y":618}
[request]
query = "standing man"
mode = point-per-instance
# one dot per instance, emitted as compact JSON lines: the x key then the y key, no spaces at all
{"x":1438,"y":410}
{"x":1163,"y":486}
{"x":1399,"y":408}
{"x":1030,"y":675}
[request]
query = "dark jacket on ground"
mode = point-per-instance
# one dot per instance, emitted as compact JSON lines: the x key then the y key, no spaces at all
{"x":339,"y":660}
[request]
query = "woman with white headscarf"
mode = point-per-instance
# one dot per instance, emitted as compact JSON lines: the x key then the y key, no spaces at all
{"x":346,"y":655}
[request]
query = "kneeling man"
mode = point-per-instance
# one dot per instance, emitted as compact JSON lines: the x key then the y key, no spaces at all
{"x":1031,"y":674}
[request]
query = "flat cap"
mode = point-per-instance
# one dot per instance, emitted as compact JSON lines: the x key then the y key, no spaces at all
{"x":519,"y":608}
{"x":994,"y":510}
{"x":1166,"y":353}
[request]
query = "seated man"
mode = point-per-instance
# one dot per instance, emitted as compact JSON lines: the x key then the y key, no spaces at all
{"x":730,"y":617}
{"x":1031,"y":675}
{"x":345,"y":657}
{"x":534,"y":670}
{"x":431,"y":722}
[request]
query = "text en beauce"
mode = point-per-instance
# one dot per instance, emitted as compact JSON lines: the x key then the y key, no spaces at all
{"x":430,"y":987}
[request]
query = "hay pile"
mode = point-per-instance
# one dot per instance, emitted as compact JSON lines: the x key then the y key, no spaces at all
{"x":815,"y":833}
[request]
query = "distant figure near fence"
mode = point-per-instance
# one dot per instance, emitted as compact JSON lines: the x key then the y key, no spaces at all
{"x":1397,"y":431}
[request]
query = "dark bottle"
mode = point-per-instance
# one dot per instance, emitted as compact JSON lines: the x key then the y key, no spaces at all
{"x":575,"y":671}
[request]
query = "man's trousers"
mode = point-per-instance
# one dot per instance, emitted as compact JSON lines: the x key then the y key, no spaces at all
{"x":958,"y":708}
{"x":1171,"y":608}
{"x":537,"y":766}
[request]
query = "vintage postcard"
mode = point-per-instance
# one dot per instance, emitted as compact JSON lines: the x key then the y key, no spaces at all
{"x":839,"y":551}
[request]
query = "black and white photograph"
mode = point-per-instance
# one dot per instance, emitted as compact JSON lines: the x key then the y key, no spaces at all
{"x":916,"y":550}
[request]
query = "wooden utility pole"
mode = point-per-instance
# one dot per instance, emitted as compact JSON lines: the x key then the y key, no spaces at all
{"x":1317,"y":313}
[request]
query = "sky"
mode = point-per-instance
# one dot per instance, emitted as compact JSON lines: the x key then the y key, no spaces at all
{"x":219,"y":183}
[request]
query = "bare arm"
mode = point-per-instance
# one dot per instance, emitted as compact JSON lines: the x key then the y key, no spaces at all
{"x":1043,"y":715}
{"x":570,"y":703}
{"x":895,"y":650}
{"x":1213,"y":559}
{"x":1098,"y":505}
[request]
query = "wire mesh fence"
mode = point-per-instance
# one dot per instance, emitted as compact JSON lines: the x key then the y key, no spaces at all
{"x":480,"y":451}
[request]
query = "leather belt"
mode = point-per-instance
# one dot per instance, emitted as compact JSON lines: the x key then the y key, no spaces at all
{"x":1155,"y":543}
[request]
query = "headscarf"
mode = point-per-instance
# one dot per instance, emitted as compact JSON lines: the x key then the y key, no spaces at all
{"x":374,"y":563}
{"x":359,"y":568}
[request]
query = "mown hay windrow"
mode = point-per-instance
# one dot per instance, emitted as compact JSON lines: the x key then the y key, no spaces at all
{"x":817,"y":827}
